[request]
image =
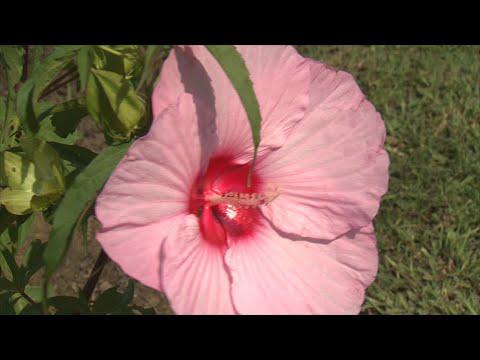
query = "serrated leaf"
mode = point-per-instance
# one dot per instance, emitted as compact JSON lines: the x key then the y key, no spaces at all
{"x":61,"y":121}
{"x":78,"y":156}
{"x":112,"y":302}
{"x":83,"y":189}
{"x":234,"y":66}
{"x":68,"y":305}
{"x":109,"y":302}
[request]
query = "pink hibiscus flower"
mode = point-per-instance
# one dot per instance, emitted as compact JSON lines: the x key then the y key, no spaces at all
{"x":177,"y":215}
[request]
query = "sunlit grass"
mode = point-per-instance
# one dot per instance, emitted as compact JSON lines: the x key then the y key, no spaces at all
{"x":428,"y":228}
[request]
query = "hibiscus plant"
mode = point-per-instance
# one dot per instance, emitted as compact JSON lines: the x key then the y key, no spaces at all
{"x":233,"y":179}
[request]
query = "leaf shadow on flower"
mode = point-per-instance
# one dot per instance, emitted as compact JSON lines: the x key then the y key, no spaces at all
{"x":197,"y":82}
{"x":295,"y":237}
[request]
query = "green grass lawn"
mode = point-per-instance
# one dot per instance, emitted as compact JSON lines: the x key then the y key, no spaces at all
{"x":428,"y":228}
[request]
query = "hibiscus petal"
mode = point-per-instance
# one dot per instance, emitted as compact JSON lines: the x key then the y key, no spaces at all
{"x":193,"y":272}
{"x":331,"y":173}
{"x":153,"y":181}
{"x":274,"y":274}
{"x":150,"y":188}
{"x":332,"y":88}
{"x":136,"y":249}
{"x":280,"y":78}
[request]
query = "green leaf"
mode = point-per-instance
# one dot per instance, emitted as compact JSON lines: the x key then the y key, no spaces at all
{"x":68,"y":305}
{"x":6,"y":219}
{"x":83,"y":189}
{"x":37,"y":56}
{"x":109,"y":302}
{"x":18,"y":202}
{"x":61,"y":121}
{"x":112,"y":302}
{"x":9,"y":265}
{"x":6,"y":304}
{"x":11,"y":59}
{"x":20,"y":230}
{"x":34,"y":180}
{"x":234,"y":66}
{"x":51,"y":66}
{"x":127,"y":296}
{"x":16,"y":171}
{"x":48,"y":167}
{"x":39,"y":80}
{"x":121,"y":59}
{"x":77,"y":156}
{"x":84,"y":63}
{"x":114,"y":103}
{"x":18,"y":174}
{"x":23,"y":306}
{"x":32,"y":261}
{"x":84,"y":226}
{"x":150,"y":52}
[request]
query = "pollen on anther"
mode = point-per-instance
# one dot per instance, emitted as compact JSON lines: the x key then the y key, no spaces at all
{"x":244,"y":199}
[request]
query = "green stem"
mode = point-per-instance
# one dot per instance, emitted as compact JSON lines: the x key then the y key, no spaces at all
{"x":102,"y":260}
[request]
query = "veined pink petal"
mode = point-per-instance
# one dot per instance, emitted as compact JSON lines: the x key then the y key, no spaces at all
{"x":193,"y":273}
{"x":136,"y":249}
{"x":273,"y":274}
{"x":151,"y":186}
{"x":332,"y":88}
{"x":154,"y":179}
{"x":281,"y":79}
{"x":331,"y":173}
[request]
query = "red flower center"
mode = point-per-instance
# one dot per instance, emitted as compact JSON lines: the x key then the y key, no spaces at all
{"x":223,"y":202}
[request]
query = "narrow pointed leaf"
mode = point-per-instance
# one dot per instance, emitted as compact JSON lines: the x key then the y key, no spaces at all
{"x":234,"y":66}
{"x":83,"y":189}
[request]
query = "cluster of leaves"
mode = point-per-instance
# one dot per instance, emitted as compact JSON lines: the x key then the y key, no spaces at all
{"x":48,"y":91}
